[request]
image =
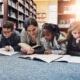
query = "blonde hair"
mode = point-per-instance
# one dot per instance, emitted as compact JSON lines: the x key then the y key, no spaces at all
{"x":73,"y":26}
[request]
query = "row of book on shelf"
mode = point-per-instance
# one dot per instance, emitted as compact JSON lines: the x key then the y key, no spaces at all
{"x":65,"y":23}
{"x":20,"y":24}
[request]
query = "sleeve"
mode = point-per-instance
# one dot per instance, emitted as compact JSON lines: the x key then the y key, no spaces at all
{"x":74,"y":53}
{"x":62,"y":49}
{"x":0,"y":41}
{"x":78,"y":45}
{"x":23,"y":36}
{"x":44,"y":43}
{"x":17,"y":47}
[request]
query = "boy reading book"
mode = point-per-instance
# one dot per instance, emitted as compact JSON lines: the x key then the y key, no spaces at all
{"x":9,"y":38}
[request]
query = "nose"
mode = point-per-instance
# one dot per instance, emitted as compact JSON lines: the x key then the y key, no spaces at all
{"x":6,"y":36}
{"x":31,"y":32}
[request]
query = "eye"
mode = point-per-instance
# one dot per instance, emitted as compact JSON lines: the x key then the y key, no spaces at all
{"x":33,"y":29}
{"x":75,"y":33}
{"x":28,"y":30}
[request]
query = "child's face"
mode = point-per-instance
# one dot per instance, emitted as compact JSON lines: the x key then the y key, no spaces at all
{"x":47,"y":35}
{"x":76,"y":33}
{"x":32,"y":30}
{"x":7,"y":32}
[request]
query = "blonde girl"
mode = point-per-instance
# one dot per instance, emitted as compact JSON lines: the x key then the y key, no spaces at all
{"x":73,"y":46}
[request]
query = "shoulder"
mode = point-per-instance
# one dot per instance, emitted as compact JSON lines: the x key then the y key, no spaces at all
{"x":23,"y":31}
{"x":0,"y":36}
{"x":15,"y":36}
{"x":16,"y":33}
{"x":39,"y":30}
{"x":43,"y":40}
{"x":62,"y":37}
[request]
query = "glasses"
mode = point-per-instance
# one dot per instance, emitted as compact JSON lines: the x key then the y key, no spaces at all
{"x":9,"y":32}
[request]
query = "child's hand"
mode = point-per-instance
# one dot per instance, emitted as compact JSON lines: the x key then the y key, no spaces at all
{"x":23,"y":50}
{"x":77,"y":40}
{"x":7,"y":48}
{"x":30,"y":51}
{"x":27,"y":51}
{"x":48,"y":52}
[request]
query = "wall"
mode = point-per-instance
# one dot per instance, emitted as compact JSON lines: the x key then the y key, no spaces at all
{"x":43,"y":6}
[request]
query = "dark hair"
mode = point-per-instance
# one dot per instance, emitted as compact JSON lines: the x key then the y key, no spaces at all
{"x":8,"y":24}
{"x":53,"y":28}
{"x":30,"y":21}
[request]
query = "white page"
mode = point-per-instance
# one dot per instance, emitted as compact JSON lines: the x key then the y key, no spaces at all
{"x":68,"y":58}
{"x":64,"y":58}
{"x":75,"y":59}
{"x":3,"y":52}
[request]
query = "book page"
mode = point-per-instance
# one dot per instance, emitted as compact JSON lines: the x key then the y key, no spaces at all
{"x":3,"y":52}
{"x":36,"y":46}
{"x":75,"y":59}
{"x":69,"y":58}
{"x":65,"y":58}
{"x":43,"y":57}
{"x":24,"y":45}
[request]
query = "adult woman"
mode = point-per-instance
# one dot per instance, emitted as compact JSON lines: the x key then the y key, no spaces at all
{"x":31,"y":35}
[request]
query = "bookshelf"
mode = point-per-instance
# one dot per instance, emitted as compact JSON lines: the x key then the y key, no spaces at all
{"x":1,"y":12}
{"x":66,"y":13}
{"x":41,"y":18}
{"x":16,"y":11}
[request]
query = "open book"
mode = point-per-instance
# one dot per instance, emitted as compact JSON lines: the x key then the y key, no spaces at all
{"x":52,"y":57}
{"x":9,"y":53}
{"x":43,"y":57}
{"x":70,"y":59}
{"x":24,"y":45}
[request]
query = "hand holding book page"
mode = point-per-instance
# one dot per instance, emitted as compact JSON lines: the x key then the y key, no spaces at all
{"x":43,"y":57}
{"x":24,"y":45}
{"x":25,"y":48}
{"x":9,"y":53}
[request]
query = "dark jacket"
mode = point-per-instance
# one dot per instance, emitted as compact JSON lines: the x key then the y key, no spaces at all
{"x":73,"y":48}
{"x":12,"y":41}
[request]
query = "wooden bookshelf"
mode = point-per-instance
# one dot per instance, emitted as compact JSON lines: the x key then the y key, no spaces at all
{"x":16,"y":11}
{"x":66,"y":13}
{"x":1,"y":12}
{"x":41,"y":18}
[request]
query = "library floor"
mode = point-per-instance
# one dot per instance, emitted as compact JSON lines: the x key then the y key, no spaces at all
{"x":14,"y":68}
